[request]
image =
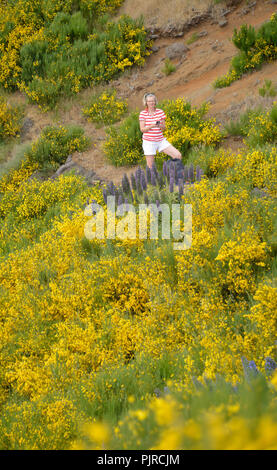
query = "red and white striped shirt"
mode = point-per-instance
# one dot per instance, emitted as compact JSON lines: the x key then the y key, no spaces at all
{"x":155,"y":134}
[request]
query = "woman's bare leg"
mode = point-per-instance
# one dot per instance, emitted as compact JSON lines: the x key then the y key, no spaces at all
{"x":150,"y":160}
{"x":172,"y":152}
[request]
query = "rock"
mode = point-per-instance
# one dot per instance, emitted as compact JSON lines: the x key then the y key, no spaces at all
{"x":155,"y":48}
{"x":26,"y":126}
{"x":222,"y":23}
{"x":89,"y":175}
{"x":225,"y":12}
{"x":178,"y":29}
{"x":176,"y":50}
{"x":202,"y":34}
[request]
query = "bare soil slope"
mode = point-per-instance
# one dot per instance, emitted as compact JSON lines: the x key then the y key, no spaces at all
{"x":205,"y":60}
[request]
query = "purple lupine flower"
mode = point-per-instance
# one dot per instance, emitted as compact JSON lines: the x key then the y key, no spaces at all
{"x":109,"y":188}
{"x":270,"y":365}
{"x":198,"y":173}
{"x":171,"y":170}
{"x":160,"y":179}
{"x":181,"y":187}
{"x":175,"y":175}
{"x":171,"y":185}
{"x":143,"y":181}
{"x":125,"y":184}
{"x":112,"y":189}
{"x":133,"y":182}
{"x":171,"y":165}
{"x":137,"y":178}
{"x":126,"y":203}
{"x":180,"y":173}
{"x":115,"y":196}
{"x":105,"y":195}
{"x":165,"y":169}
{"x":154,"y":168}
{"x":250,"y":368}
{"x":120,"y":200}
{"x":158,"y":205}
{"x":191,"y":173}
{"x":186,"y":173}
{"x":148,"y":174}
{"x":153,"y":178}
{"x":120,"y":206}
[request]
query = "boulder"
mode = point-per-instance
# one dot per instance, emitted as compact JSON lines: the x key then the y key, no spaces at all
{"x":176,"y":50}
{"x":89,"y":175}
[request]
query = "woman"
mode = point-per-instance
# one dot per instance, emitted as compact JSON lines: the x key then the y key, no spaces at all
{"x":152,"y":125}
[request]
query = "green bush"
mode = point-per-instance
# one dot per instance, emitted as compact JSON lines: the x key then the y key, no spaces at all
{"x":268,"y":89}
{"x":105,"y":108}
{"x":245,"y":38}
{"x":169,"y":67}
{"x":10,"y":119}
{"x":69,"y":27}
{"x":255,"y":48}
{"x":124,"y":143}
{"x":56,"y":143}
{"x":69,"y":59}
{"x":33,"y":57}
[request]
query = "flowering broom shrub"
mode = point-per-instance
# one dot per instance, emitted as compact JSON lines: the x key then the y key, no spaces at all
{"x":48,"y":50}
{"x":124,"y":329}
{"x":10,"y":119}
{"x":256,"y":48}
{"x":105,"y":109}
{"x":56,"y":143}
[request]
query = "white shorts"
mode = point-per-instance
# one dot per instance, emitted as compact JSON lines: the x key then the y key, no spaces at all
{"x":151,"y":148}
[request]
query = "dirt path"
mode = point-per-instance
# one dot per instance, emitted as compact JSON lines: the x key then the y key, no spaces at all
{"x":207,"y":59}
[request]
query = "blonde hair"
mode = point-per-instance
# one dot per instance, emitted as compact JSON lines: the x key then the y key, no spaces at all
{"x":146,"y":95}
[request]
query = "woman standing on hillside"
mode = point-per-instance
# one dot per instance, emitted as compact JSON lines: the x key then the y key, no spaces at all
{"x":152,"y":125}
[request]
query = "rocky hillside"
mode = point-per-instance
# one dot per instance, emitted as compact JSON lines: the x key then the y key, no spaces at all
{"x":196,"y":37}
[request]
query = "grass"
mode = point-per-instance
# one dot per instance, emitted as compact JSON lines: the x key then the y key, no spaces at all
{"x":169,"y":67}
{"x":194,"y":37}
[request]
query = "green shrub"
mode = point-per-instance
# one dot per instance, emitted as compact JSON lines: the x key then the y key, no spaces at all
{"x":10,"y":119}
{"x":268,"y":89}
{"x":245,"y":38}
{"x":169,"y":67}
{"x":255,"y":48}
{"x":69,"y":59}
{"x":242,"y":125}
{"x":124,"y":144}
{"x":104,"y":108}
{"x":56,"y":143}
{"x":68,"y":27}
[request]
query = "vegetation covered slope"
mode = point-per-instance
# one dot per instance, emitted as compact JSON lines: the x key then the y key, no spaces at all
{"x":120,"y":343}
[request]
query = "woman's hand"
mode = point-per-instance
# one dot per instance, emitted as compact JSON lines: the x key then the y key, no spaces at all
{"x":162,"y":125}
{"x":144,"y":128}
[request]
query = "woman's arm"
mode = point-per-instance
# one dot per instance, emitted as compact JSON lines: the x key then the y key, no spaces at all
{"x":144,"y":128}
